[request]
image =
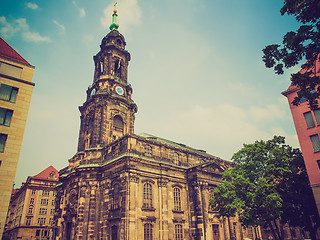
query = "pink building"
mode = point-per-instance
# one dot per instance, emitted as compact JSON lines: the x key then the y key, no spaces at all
{"x":307,"y":124}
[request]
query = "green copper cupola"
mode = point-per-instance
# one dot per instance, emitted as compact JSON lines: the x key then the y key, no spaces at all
{"x":114,"y":25}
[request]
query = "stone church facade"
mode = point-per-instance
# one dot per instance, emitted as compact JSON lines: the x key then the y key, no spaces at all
{"x":120,"y":185}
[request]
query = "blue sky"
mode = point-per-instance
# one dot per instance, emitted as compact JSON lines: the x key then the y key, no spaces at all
{"x":196,"y":70}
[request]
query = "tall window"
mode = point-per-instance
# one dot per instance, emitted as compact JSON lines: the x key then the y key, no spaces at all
{"x":28,"y":221}
{"x":116,"y":196}
{"x":315,"y":142}
{"x":8,"y":93}
{"x":309,"y":119}
{"x":44,"y":202}
{"x":43,"y":211}
{"x":211,"y":195}
{"x":31,"y":200}
{"x":3,"y":139}
{"x":148,"y":231}
{"x":176,"y":158}
{"x":147,"y":195}
{"x":317,"y":115}
{"x":177,"y":199}
{"x":118,"y":123}
{"x":45,"y":193}
{"x":148,"y":150}
{"x":33,"y":192}
{"x":5,"y":116}
{"x":30,"y":210}
{"x":178,"y":232}
{"x":41,"y":221}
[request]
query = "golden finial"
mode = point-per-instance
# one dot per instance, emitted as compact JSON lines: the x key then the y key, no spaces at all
{"x":115,"y":7}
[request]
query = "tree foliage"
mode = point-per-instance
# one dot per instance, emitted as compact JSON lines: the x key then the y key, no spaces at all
{"x":268,"y":183}
{"x":298,"y":45}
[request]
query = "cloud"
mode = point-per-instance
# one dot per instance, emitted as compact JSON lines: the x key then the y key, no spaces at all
{"x":130,"y":14}
{"x":35,"y":37}
{"x":59,"y":25}
{"x":32,"y":6}
{"x":82,"y":12}
{"x":220,"y":130}
{"x":20,"y":25}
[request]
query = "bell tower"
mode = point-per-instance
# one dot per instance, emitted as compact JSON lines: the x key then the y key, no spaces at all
{"x":108,"y":112}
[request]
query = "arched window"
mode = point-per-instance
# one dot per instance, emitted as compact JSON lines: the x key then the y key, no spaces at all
{"x":178,"y":232}
{"x":147,"y":195}
{"x":115,"y":196}
{"x":118,"y":123}
{"x":177,"y":199}
{"x":147,"y":231}
{"x":117,"y":68}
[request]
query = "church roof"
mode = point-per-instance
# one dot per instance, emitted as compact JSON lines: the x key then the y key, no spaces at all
{"x":6,"y":51}
{"x":158,"y":139}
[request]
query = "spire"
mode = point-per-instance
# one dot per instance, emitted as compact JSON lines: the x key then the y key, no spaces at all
{"x":114,"y":25}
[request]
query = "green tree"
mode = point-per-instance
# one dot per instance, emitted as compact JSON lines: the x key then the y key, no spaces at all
{"x":268,"y":183}
{"x":299,"y":45}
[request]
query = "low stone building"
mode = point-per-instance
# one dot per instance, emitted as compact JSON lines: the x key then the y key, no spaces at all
{"x":120,"y":185}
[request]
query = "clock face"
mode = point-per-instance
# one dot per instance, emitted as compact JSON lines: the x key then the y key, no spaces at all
{"x":119,"y":90}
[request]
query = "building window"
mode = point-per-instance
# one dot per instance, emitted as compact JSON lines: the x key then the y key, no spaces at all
{"x":5,"y":116}
{"x":51,"y":221}
{"x":52,"y":203}
{"x":178,"y":232}
{"x":52,"y":211}
{"x":115,"y":196}
{"x":31,"y":201}
{"x":45,"y":193}
{"x":147,"y":231}
{"x":317,"y":115}
{"x":28,"y":221}
{"x":33,"y":192}
{"x":30,"y":210}
{"x":176,"y":158}
{"x":309,"y":119}
{"x":43,"y":211}
{"x":315,"y":142}
{"x":3,"y":139}
{"x":177,"y":199}
{"x":44,"y":202}
{"x":147,"y":150}
{"x":41,"y":221}
{"x":8,"y":93}
{"x":118,"y":123}
{"x":211,"y":195}
{"x":147,"y":195}
{"x":38,"y":232}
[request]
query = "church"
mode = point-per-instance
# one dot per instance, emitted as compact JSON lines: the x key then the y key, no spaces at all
{"x":122,"y":185}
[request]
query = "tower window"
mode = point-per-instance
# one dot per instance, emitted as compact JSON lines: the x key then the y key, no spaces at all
{"x":119,"y":42}
{"x":317,"y":115}
{"x":118,"y":123}
{"x":147,"y":195}
{"x":8,"y":93}
{"x":117,"y":68}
